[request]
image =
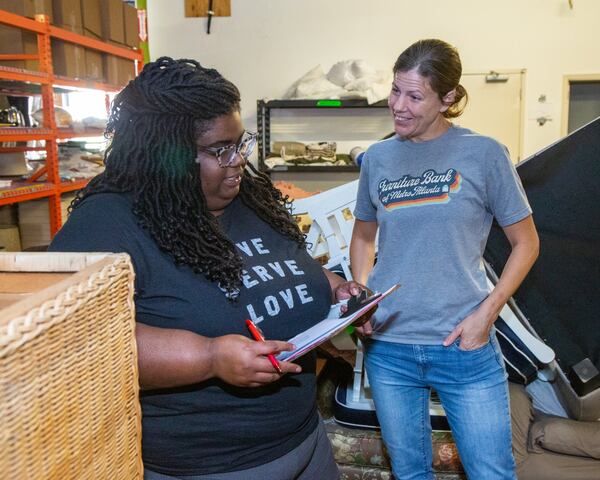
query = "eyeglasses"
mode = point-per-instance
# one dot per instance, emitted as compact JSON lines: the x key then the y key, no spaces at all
{"x":226,"y":155}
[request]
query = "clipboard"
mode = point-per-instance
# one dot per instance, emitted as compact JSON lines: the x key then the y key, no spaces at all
{"x":329,"y":327}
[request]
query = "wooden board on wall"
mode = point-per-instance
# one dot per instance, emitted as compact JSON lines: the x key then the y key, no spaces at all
{"x":199,"y":8}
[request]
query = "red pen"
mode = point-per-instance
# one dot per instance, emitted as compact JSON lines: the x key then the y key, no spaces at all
{"x":258,"y":336}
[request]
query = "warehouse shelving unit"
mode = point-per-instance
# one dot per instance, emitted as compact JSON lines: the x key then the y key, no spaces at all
{"x":264,"y":110}
{"x":43,"y":82}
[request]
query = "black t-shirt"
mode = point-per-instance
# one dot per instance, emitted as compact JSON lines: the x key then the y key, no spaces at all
{"x":212,"y":426}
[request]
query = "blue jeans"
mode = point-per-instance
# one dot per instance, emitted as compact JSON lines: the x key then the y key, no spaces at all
{"x":473,"y":390}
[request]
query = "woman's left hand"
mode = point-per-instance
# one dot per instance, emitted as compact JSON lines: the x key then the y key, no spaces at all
{"x":342,"y":290}
{"x":346,"y":289}
{"x":474,"y":330}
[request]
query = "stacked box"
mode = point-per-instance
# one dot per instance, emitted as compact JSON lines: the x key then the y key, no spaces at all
{"x":109,"y":20}
{"x":17,"y":41}
{"x":92,"y":27}
{"x":8,"y":214}
{"x":9,"y":238}
{"x":130,"y":19}
{"x":112,"y":21}
{"x":34,"y":220}
{"x":119,"y":28}
{"x":68,"y":58}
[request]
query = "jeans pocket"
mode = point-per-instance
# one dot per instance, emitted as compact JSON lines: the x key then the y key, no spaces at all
{"x":475,"y":350}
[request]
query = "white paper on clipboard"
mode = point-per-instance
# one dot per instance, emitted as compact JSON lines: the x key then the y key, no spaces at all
{"x":329,"y":327}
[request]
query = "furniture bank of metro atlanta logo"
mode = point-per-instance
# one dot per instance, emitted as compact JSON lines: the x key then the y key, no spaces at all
{"x":429,"y":188}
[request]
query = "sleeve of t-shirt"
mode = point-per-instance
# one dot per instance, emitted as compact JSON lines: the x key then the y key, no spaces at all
{"x":364,"y":209}
{"x":506,"y":198}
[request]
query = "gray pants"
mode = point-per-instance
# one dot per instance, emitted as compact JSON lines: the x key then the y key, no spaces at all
{"x":311,"y":460}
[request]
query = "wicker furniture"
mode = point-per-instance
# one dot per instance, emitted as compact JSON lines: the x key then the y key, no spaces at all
{"x":68,"y":368}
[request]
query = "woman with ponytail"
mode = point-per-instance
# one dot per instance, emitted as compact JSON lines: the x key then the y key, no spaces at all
{"x":212,"y":243}
{"x":432,"y":191}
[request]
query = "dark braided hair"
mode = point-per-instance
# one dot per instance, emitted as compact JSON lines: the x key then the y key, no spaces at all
{"x":153,"y":126}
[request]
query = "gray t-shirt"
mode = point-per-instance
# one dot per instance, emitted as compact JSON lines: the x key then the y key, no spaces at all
{"x":434,"y":203}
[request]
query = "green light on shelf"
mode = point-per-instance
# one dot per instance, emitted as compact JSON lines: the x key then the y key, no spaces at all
{"x":329,"y":103}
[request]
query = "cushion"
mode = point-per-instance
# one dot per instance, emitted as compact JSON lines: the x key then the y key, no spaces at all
{"x":563,"y":435}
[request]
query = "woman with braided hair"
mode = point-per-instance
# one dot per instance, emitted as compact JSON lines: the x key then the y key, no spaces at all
{"x":212,"y":243}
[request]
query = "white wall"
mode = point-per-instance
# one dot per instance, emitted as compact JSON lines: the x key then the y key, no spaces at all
{"x":267,"y":44}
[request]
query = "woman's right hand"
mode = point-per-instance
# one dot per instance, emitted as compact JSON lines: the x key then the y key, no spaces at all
{"x":240,"y":361}
{"x":365,"y":330}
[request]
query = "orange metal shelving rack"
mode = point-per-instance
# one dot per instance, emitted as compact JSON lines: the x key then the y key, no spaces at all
{"x":52,"y":188}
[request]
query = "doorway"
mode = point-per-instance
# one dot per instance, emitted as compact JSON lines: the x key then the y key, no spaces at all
{"x":581,"y":101}
{"x":495,"y":107}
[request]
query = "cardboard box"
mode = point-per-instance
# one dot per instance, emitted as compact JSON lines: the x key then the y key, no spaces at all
{"x":17,"y":41}
{"x":68,"y":59}
{"x":9,"y":238}
{"x":92,"y":17}
{"x":132,"y":37}
{"x":112,"y":21}
{"x":94,"y":65}
{"x":67,"y":14}
{"x":92,"y":27}
{"x":13,"y":163}
{"x":118,"y":71}
{"x":27,"y":8}
{"x":9,"y":215}
{"x":34,"y":220}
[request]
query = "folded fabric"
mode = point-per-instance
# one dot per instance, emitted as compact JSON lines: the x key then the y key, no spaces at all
{"x":346,"y":79}
{"x":562,"y":435}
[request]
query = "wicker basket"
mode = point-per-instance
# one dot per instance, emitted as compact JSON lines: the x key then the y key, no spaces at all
{"x":68,"y":368}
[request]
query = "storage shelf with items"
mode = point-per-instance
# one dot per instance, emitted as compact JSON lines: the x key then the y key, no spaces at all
{"x":42,"y":51}
{"x":332,"y":126}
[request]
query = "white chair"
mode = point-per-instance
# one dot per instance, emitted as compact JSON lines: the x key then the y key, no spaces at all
{"x":331,"y":217}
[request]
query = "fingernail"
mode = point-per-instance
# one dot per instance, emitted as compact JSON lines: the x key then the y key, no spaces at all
{"x":297,"y":370}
